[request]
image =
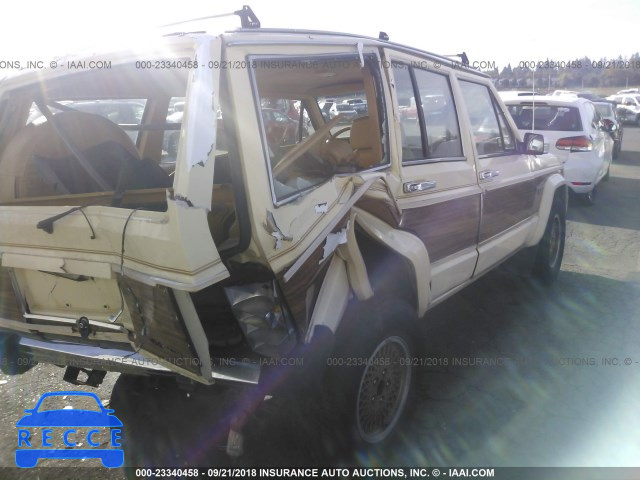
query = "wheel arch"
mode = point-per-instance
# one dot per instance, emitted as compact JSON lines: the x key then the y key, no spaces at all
{"x":555,"y":189}
{"x":359,"y":269}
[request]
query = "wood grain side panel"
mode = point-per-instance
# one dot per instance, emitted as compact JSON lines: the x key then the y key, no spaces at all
{"x":9,"y":307}
{"x":446,"y":227}
{"x":311,"y":274}
{"x":158,"y":325}
{"x":384,"y":209}
{"x":504,"y":207}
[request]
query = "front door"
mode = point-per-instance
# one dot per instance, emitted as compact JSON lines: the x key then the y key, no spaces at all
{"x":510,"y":191}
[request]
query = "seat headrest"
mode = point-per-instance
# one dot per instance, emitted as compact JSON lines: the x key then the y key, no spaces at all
{"x":362,"y":133}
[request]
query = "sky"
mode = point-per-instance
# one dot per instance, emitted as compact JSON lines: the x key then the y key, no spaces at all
{"x":496,"y":31}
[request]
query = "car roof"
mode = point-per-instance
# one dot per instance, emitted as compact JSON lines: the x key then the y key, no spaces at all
{"x":241,"y":36}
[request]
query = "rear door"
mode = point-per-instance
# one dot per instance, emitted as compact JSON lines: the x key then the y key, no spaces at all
{"x":438,"y":194}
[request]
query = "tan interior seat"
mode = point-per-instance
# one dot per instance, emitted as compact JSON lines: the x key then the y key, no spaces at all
{"x":365,"y":141}
{"x":20,"y":174}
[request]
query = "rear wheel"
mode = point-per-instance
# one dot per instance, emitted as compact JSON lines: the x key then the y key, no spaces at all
{"x":589,"y":198}
{"x":370,"y":376}
{"x":551,"y":246}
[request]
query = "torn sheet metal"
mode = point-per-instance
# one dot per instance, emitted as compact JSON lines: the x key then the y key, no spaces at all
{"x":275,"y":231}
{"x":332,"y":242}
{"x":332,"y":224}
{"x":322,"y":208}
{"x":183,"y":202}
{"x":201,"y":108}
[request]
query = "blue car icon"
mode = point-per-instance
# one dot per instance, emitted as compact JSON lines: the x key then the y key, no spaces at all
{"x":68,"y":418}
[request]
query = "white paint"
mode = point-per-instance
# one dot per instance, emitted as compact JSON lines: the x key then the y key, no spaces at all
{"x":333,"y":240}
{"x":322,"y":208}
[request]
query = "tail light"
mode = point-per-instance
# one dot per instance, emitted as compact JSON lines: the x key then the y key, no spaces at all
{"x":575,"y":144}
{"x":263,"y":319}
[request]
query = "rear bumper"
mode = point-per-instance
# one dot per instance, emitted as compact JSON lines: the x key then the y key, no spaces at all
{"x":585,"y":168}
{"x":22,"y":352}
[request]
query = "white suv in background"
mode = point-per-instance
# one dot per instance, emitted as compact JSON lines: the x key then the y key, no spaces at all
{"x":573,"y":132}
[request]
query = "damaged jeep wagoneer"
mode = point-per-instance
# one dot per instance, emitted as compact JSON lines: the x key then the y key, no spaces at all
{"x":221,"y":218}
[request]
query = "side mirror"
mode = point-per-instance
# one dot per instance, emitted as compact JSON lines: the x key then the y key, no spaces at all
{"x":533,"y":144}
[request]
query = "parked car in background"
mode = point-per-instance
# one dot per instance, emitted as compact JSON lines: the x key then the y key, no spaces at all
{"x":346,"y":111}
{"x":573,"y":132}
{"x":628,"y":90}
{"x":510,"y":94}
{"x":280,"y":129}
{"x":589,"y":96}
{"x":564,"y":93}
{"x":358,"y":104}
{"x":628,"y":107}
{"x":325,"y":108}
{"x":611,"y":123}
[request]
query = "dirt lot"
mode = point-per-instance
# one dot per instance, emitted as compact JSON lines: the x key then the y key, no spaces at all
{"x":515,"y":375}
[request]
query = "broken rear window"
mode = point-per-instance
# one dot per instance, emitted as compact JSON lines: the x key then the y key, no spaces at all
{"x":95,"y":137}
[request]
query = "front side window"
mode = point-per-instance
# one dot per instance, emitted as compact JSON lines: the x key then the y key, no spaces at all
{"x":428,"y":115}
{"x":491,"y":132}
{"x":311,"y":131}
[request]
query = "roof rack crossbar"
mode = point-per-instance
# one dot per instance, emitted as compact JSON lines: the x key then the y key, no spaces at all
{"x":248,"y":19}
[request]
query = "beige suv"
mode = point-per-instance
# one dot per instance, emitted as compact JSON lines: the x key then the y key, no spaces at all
{"x":253,"y":257}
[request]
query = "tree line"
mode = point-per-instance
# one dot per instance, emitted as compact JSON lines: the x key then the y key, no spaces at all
{"x":582,"y":73}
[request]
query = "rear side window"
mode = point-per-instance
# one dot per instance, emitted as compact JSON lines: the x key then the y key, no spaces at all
{"x":491,"y":132}
{"x":546,"y":117}
{"x":428,"y":117}
{"x":604,"y":109}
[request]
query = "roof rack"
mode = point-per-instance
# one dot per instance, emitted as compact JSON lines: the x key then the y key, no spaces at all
{"x":248,"y":19}
{"x":462,"y":56}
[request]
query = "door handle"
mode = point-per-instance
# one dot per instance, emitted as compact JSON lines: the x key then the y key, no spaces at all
{"x":411,"y":187}
{"x":489,"y":174}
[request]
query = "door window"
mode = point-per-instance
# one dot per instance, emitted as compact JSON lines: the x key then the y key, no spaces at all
{"x":491,"y":132}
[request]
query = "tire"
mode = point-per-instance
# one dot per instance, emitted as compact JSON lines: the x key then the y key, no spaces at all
{"x":589,"y":199}
{"x":608,"y":174}
{"x":370,"y":381}
{"x":551,"y":247}
{"x":616,"y":150}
